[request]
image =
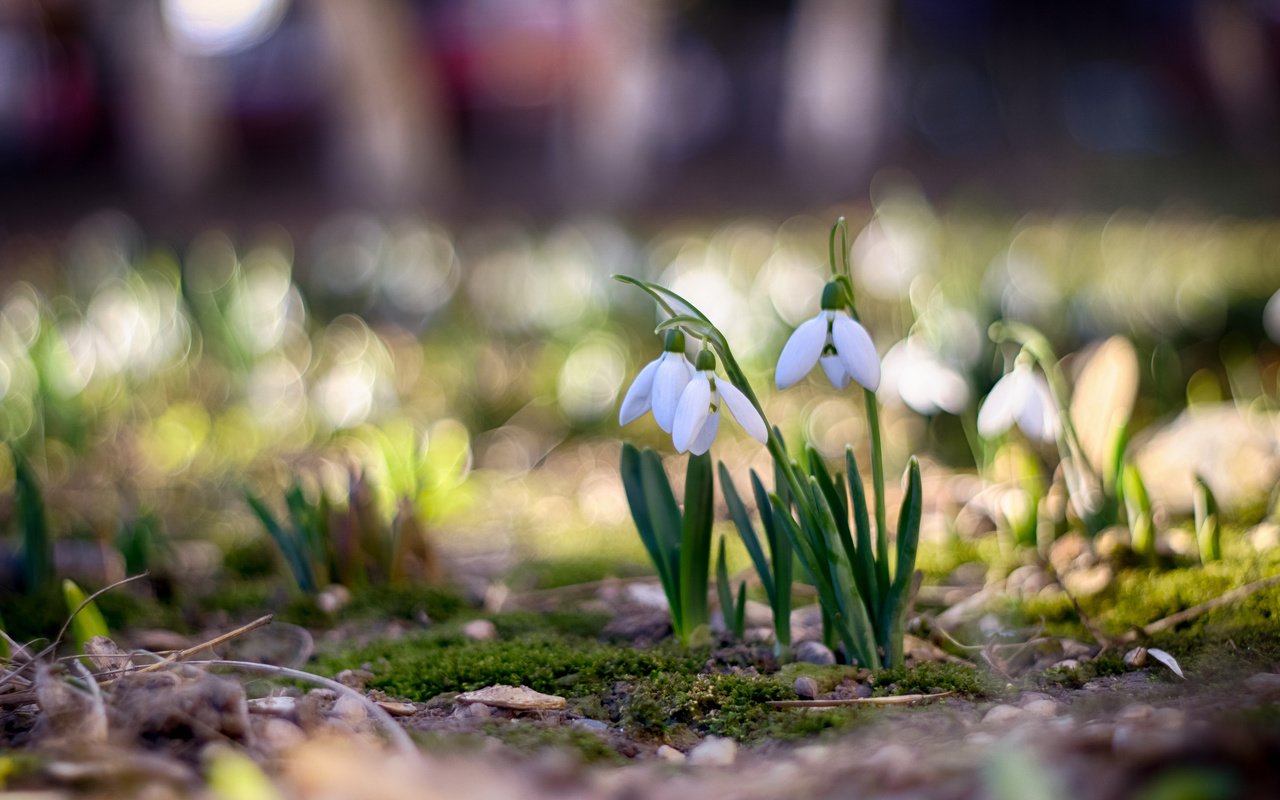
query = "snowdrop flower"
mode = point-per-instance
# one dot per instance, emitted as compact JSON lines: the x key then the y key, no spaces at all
{"x":833,"y":339}
{"x":1022,"y":396}
{"x":698,"y":414}
{"x":659,"y":385}
{"x":925,"y":382}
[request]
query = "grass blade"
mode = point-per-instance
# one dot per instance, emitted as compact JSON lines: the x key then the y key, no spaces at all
{"x":86,"y":620}
{"x":895,"y":612}
{"x":695,"y":543}
{"x":37,"y":546}
{"x":632,"y":469}
{"x":742,"y":520}
{"x":865,"y":562}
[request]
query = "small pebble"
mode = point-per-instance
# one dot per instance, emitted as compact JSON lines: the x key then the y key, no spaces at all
{"x":275,"y":706}
{"x":1266,"y":683}
{"x":1044,"y":709}
{"x":351,"y":711}
{"x":274,"y":734}
{"x":593,"y":725}
{"x":1138,"y":712}
{"x":354,"y":678}
{"x":810,"y":652}
{"x":1002,"y":713}
{"x":806,"y":687}
{"x":668,"y":753}
{"x":397,"y":709}
{"x":714,"y":751}
{"x":480,"y":630}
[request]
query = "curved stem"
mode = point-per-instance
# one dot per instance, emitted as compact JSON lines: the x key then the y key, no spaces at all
{"x":1034,"y":343}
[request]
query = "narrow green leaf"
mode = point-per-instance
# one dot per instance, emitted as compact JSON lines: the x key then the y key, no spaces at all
{"x":695,"y":547}
{"x":740,"y":612}
{"x":780,"y":554}
{"x":724,"y":591}
{"x":1137,"y":505}
{"x":865,"y":562}
{"x":87,"y":621}
{"x":37,"y":545}
{"x":908,"y":544}
{"x":632,"y":469}
{"x":663,"y":511}
{"x":742,"y":521}
{"x":1208,"y":527}
{"x":289,"y":547}
{"x":849,"y":614}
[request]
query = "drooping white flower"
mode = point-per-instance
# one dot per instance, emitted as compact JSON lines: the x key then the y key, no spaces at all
{"x":659,"y":385}
{"x":837,"y":342}
{"x":1022,"y":396}
{"x":697,"y":417}
{"x":924,"y":382}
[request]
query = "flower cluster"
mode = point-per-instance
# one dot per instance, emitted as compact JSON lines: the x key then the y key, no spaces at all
{"x":686,"y":401}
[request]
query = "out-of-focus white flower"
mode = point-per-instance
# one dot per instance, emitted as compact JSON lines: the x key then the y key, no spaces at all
{"x":697,"y":417}
{"x":925,"y":382}
{"x":1021,"y":397}
{"x":659,"y":385}
{"x":834,"y":339}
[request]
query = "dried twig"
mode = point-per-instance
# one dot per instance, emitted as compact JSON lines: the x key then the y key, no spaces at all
{"x":63,"y":630}
{"x":1188,"y":614}
{"x":214,"y":642}
{"x":394,"y":732}
{"x":892,"y":700}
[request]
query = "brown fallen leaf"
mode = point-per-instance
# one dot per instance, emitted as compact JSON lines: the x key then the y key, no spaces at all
{"x":518,"y":698}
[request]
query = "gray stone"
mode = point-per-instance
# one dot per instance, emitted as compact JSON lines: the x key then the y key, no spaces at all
{"x":1264,"y":683}
{"x":811,"y":652}
{"x":480,"y":630}
{"x":714,"y":751}
{"x":1236,"y":451}
{"x":806,"y":687}
{"x":593,"y":725}
{"x":1044,"y":709}
{"x":668,"y":753}
{"x":1002,"y":713}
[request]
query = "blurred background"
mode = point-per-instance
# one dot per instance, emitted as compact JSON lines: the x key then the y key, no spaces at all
{"x":284,"y":242}
{"x":183,"y":111}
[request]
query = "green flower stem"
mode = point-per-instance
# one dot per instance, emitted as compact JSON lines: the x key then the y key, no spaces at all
{"x":877,"y":485}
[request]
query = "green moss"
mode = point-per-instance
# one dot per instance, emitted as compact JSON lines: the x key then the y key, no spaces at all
{"x":828,"y":677}
{"x":422,"y":667}
{"x":671,"y":706}
{"x":1139,"y":597}
{"x":1109,"y":663}
{"x":933,"y":677}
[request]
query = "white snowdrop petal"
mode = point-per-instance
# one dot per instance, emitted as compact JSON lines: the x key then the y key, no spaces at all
{"x":950,"y":391}
{"x":702,"y":442}
{"x":834,"y":369}
{"x":1046,"y":413}
{"x":856,"y":351}
{"x":691,"y":412}
{"x":1002,"y":405}
{"x":743,"y":411}
{"x":636,"y":401}
{"x":673,"y":374}
{"x":801,"y":352}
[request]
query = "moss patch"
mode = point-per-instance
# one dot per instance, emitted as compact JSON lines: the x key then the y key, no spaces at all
{"x":420,"y":668}
{"x":934,"y":677}
{"x":676,"y":707}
